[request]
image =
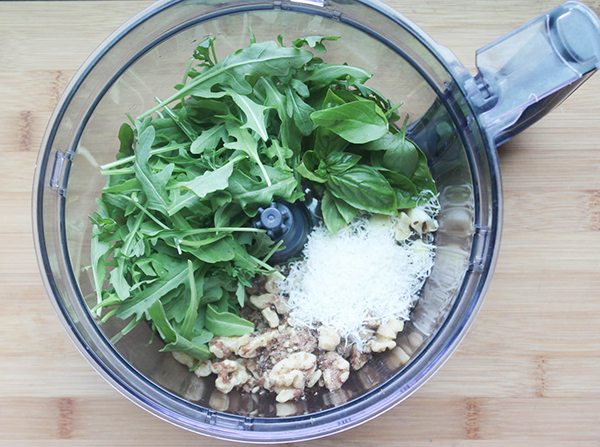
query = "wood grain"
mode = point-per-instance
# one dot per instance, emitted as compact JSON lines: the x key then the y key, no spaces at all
{"x":527,"y":375}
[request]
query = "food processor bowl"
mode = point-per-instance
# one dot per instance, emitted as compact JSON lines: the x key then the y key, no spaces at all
{"x":457,"y":120}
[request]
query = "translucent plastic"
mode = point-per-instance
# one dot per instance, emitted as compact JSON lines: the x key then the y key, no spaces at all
{"x":144,"y":59}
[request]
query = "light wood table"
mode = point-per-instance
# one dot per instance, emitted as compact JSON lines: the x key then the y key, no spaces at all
{"x":527,"y":375}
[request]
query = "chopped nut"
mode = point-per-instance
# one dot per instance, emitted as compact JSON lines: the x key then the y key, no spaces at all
{"x":218,"y":401}
{"x":358,"y":359}
{"x":372,"y":323}
{"x":405,"y":345}
{"x":281,"y":305}
{"x":335,"y":370}
{"x":329,"y":338}
{"x":314,"y":378}
{"x":287,"y":394}
{"x":263,"y":301}
{"x":203,"y":369}
{"x":402,"y":356}
{"x":271,"y":317}
{"x":285,"y":409}
{"x":302,"y":340}
{"x":223,"y":347}
{"x":380,"y":344}
{"x":415,"y":339}
{"x":293,"y":371}
{"x":255,"y":342}
{"x":184,"y":359}
{"x":230,"y":374}
{"x":272,"y":284}
{"x":390,"y":328}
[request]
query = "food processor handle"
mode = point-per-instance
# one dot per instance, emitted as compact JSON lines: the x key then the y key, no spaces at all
{"x":524,"y":75}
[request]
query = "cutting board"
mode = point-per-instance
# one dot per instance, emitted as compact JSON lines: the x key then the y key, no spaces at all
{"x":528,"y":374}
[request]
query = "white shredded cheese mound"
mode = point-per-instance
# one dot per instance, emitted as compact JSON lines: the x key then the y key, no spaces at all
{"x":355,"y":275}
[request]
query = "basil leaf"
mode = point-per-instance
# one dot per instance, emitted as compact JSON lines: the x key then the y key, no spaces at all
{"x":348,"y":212}
{"x":226,"y":324}
{"x":332,"y":100}
{"x":327,"y":142}
{"x":406,"y":192}
{"x":364,"y":188}
{"x":422,"y":178}
{"x":339,"y":162}
{"x":394,"y":152}
{"x":308,"y":166}
{"x":357,"y":122}
{"x":331,"y":215}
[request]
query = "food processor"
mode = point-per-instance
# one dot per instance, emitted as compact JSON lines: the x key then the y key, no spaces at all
{"x":457,"y":119}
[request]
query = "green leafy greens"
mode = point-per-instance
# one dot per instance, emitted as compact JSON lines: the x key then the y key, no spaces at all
{"x":172,"y":241}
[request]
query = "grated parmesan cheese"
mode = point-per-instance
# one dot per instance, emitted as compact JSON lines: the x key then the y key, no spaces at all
{"x":355,"y":275}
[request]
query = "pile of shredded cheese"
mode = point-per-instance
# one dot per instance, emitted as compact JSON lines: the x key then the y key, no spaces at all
{"x":354,"y":276}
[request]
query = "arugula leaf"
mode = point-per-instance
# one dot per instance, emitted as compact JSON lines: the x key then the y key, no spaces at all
{"x":324,"y":75}
{"x":282,"y":154}
{"x":191,"y":314}
{"x":299,"y":111}
{"x":210,"y":181}
{"x":226,"y":324}
{"x":176,"y":275}
{"x":357,"y":122}
{"x":251,"y":194}
{"x":126,"y":139}
{"x":315,"y":42}
{"x":99,"y":250}
{"x":175,"y":341}
{"x":255,"y":113}
{"x":117,"y":279}
{"x":153,"y":185}
{"x":209,"y":138}
{"x":256,"y":60}
{"x":246,"y":143}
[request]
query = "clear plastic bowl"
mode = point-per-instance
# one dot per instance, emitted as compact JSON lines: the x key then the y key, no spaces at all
{"x":144,"y":59}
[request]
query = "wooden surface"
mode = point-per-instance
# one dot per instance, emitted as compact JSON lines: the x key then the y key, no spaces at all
{"x":528,"y":374}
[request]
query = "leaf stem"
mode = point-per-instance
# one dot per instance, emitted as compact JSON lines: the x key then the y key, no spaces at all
{"x":145,"y":211}
{"x":125,"y":160}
